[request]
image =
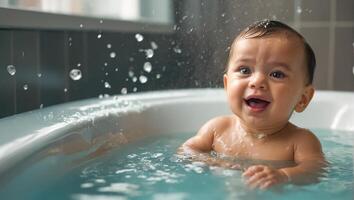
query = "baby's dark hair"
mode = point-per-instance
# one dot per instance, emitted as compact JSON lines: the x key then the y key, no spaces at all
{"x":267,"y":27}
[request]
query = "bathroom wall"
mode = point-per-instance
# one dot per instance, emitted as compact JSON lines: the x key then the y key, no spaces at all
{"x":192,"y":55}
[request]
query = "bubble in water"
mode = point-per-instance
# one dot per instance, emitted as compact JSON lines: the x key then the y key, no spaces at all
{"x":116,"y":69}
{"x":109,"y":46}
{"x":147,"y":67}
{"x":81,"y":25}
{"x":107,"y":85}
{"x":135,"y":89}
{"x":143,"y":79}
{"x":139,"y":37}
{"x":124,"y":90}
{"x":154,"y":45}
{"x":75,"y":74}
{"x":99,"y":36}
{"x":65,"y":90}
{"x":149,"y":53}
{"x":158,"y":76}
{"x":11,"y":69}
{"x":39,"y":75}
{"x":112,"y":54}
{"x":25,"y":87}
{"x":134,"y":79}
{"x":299,"y":10}
{"x":105,"y":64}
{"x":79,"y":64}
{"x":131,"y":73}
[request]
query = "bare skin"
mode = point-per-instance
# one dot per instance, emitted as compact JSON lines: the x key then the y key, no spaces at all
{"x":265,"y":82}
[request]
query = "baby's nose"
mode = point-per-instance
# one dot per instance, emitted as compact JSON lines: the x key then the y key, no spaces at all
{"x":258,"y":81}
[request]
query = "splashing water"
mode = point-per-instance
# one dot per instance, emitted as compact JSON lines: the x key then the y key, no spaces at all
{"x":143,"y":79}
{"x":149,"y":53}
{"x":107,"y":85}
{"x":139,"y":37}
{"x":154,"y":45}
{"x":25,"y":87}
{"x":147,"y":67}
{"x":11,"y":69}
{"x":75,"y":74}
{"x":112,"y":54}
{"x":124,"y":90}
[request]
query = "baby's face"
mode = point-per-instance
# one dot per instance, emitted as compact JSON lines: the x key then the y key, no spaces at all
{"x":266,"y":79}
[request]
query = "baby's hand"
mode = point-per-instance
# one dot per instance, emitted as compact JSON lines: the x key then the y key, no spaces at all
{"x":261,"y":176}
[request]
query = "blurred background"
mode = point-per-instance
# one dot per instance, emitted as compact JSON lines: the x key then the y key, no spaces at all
{"x":57,"y":51}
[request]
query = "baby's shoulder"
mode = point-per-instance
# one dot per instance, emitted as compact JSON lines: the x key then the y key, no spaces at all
{"x":218,"y":124}
{"x":301,"y":134}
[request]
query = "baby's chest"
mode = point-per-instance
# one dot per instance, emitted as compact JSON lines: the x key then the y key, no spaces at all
{"x":261,"y":151}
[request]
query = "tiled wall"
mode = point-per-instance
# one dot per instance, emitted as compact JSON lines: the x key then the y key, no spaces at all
{"x":192,"y":56}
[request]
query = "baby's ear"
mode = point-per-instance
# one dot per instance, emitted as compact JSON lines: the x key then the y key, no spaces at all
{"x":305,"y":98}
{"x":225,"y":81}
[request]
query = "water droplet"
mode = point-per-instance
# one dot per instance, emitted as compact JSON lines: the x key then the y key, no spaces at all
{"x":149,"y":53}
{"x":107,"y":85}
{"x":124,"y":90}
{"x":100,"y":96}
{"x":101,"y":21}
{"x":112,"y":54}
{"x":70,"y":39}
{"x":11,"y":69}
{"x":75,"y":74}
{"x":79,"y":64}
{"x":143,"y":79}
{"x":65,"y":90}
{"x":109,"y":46}
{"x":105,"y":64}
{"x":41,"y":106}
{"x":81,"y":25}
{"x":223,"y":14}
{"x":106,"y":74}
{"x":299,"y":10}
{"x":131,"y":73}
{"x":99,"y":36}
{"x":116,"y":69}
{"x":147,"y":67}
{"x":135,"y":89}
{"x":154,"y":45}
{"x":39,"y":75}
{"x":25,"y":87}
{"x":134,"y":79}
{"x":158,"y":76}
{"x":177,"y":50}
{"x":139,"y":37}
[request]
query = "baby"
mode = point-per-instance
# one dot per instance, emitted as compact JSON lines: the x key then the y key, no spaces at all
{"x":268,"y":75}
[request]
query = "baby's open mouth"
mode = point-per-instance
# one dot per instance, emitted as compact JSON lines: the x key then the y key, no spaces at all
{"x":258,"y":104}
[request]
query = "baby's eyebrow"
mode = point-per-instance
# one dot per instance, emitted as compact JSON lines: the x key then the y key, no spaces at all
{"x":280,"y":64}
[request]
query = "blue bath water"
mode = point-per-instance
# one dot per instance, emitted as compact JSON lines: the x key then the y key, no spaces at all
{"x":150,"y":170}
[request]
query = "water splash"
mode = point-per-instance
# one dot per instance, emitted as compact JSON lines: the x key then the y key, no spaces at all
{"x":147,"y":67}
{"x":149,"y":53}
{"x":11,"y":69}
{"x":139,"y":37}
{"x":143,"y":79}
{"x":124,"y":90}
{"x":107,"y":85}
{"x":25,"y":86}
{"x":154,"y":45}
{"x":75,"y":74}
{"x":112,"y":54}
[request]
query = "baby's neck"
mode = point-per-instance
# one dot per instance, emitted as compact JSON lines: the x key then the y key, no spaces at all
{"x":259,"y":134}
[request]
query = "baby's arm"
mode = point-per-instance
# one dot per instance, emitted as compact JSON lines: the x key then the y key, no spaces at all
{"x":309,"y":161}
{"x":198,"y":147}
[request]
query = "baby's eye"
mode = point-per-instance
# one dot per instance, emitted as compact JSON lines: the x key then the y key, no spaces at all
{"x":277,"y":74}
{"x":244,"y":70}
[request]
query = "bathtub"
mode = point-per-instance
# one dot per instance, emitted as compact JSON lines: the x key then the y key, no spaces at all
{"x":83,"y":126}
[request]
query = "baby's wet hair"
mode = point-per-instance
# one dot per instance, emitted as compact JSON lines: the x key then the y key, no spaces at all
{"x":268,"y":27}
